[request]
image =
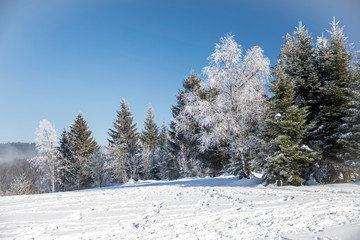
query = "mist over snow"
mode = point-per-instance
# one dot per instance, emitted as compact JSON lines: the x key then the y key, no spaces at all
{"x":190,"y":208}
{"x":12,"y":151}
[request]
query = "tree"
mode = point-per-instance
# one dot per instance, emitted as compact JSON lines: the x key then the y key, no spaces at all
{"x":349,"y":136}
{"x":98,"y":165}
{"x":66,"y":163}
{"x":125,"y":129}
{"x":46,"y":145}
{"x":162,"y":155}
{"x":297,"y":59}
{"x":284,"y":154}
{"x":238,"y":105}
{"x":20,"y":185}
{"x":183,"y":143}
{"x":149,"y":134}
{"x":82,"y":146}
{"x":334,"y":62}
{"x":149,"y":138}
{"x":124,"y":141}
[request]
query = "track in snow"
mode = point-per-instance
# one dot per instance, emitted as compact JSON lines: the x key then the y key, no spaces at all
{"x":211,"y":208}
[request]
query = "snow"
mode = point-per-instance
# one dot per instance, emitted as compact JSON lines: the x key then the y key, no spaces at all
{"x":190,"y":208}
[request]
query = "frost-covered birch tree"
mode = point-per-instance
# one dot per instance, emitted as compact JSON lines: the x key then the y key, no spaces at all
{"x":227,"y":118}
{"x":46,"y":145}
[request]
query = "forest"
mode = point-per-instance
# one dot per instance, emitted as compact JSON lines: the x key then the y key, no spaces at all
{"x":294,"y":122}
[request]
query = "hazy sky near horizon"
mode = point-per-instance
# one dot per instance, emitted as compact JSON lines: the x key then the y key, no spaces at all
{"x":62,"y":57}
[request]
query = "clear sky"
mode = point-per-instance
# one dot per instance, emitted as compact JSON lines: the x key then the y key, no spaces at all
{"x":62,"y":57}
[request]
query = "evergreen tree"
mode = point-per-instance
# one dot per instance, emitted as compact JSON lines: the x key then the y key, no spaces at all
{"x":334,"y":63}
{"x":283,"y":152}
{"x":161,"y":155}
{"x":181,"y":141}
{"x":82,"y":146}
{"x":149,"y":138}
{"x":124,"y":143}
{"x":298,"y":60}
{"x":349,"y":136}
{"x":149,"y":134}
{"x":66,"y":163}
{"x":125,"y":130}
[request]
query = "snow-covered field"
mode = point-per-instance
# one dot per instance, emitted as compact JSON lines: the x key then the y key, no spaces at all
{"x":211,"y":208}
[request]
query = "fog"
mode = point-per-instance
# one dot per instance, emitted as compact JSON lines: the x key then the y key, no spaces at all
{"x":12,"y":151}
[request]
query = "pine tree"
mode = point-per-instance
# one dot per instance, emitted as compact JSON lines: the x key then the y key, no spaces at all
{"x":181,"y":141}
{"x":149,"y":138}
{"x":66,"y":163}
{"x":298,"y":60}
{"x":149,"y":135}
{"x":161,"y":155}
{"x":124,"y":143}
{"x":125,"y":129}
{"x":334,"y":64}
{"x":349,"y":136}
{"x":283,"y":152}
{"x":82,"y":146}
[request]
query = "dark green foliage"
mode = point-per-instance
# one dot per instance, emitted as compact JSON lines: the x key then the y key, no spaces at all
{"x":82,"y":146}
{"x":124,"y":144}
{"x":298,"y":60}
{"x":125,"y":131}
{"x":149,"y":135}
{"x":336,"y":81}
{"x":349,"y":136}
{"x":66,"y":163}
{"x":283,"y":152}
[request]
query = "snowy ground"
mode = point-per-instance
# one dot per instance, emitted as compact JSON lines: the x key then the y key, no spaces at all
{"x":212,"y":208}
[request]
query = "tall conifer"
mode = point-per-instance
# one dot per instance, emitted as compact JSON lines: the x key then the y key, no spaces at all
{"x":82,"y":146}
{"x":336,"y":80}
{"x":283,"y":153}
{"x":149,"y":135}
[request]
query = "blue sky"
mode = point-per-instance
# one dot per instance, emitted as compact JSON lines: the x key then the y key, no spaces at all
{"x":62,"y":57}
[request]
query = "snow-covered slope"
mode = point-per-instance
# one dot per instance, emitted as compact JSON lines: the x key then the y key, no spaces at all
{"x":210,"y":208}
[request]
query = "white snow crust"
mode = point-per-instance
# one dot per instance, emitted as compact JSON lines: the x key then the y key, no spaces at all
{"x":192,"y":208}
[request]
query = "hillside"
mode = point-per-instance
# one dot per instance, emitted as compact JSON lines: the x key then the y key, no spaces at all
{"x":210,"y":208}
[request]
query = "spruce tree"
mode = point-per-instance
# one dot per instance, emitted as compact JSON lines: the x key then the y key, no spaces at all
{"x":283,"y":152}
{"x":334,"y":64}
{"x":178,"y":140}
{"x":82,"y":146}
{"x":349,"y":136}
{"x":66,"y":163}
{"x":298,"y":60}
{"x":149,"y":138}
{"x":161,"y":156}
{"x":149,"y":135}
{"x":125,"y":130}
{"x":123,"y":143}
